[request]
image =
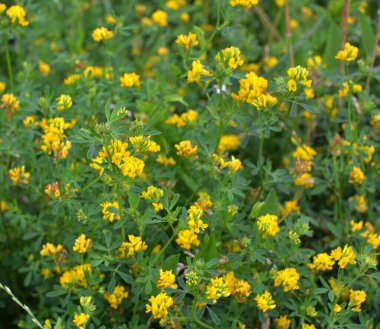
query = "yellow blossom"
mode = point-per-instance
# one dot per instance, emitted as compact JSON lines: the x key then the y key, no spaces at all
{"x":43,"y":68}
{"x":216,"y":289}
{"x":19,"y":176}
{"x":135,"y":245}
{"x":17,"y":15}
{"x":289,"y":207}
{"x":64,"y":102}
{"x":159,"y":306}
{"x":81,"y":319}
{"x":187,"y":238}
{"x":240,"y":289}
{"x":82,"y":244}
{"x":229,"y":143}
{"x":357,"y":298}
{"x":185,"y":148}
{"x":305,"y":180}
{"x":322,"y":262}
{"x":265,"y":301}
{"x":230,"y":57}
{"x":10,"y":104}
{"x":282,"y":322}
{"x":356,"y":176}
{"x":288,"y":278}
{"x":166,"y":280}
{"x":188,"y":40}
{"x":117,"y":296}
{"x":101,"y":34}
{"x":244,"y":3}
{"x":268,"y":225}
{"x":350,"y":53}
{"x":112,"y":215}
{"x":160,"y":18}
{"x":128,"y":80}
{"x":304,"y":152}
{"x":196,"y":72}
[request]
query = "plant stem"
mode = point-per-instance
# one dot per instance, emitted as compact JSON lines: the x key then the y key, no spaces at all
{"x":260,"y":158}
{"x":196,"y":320}
{"x":374,"y":50}
{"x":345,"y":14}
{"x":289,"y":33}
{"x":221,"y":114}
{"x":266,"y":21}
{"x":9,"y":65}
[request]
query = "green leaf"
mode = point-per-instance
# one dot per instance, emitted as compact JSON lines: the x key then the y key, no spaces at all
{"x":332,"y":46}
{"x":368,"y":35}
{"x":213,"y":316}
{"x":148,"y":287}
{"x":270,"y":205}
{"x":209,"y":248}
{"x":307,"y":107}
{"x":133,"y":199}
{"x":172,"y":98}
{"x":127,"y":278}
{"x":171,"y":263}
{"x":201,"y":37}
{"x":256,"y":209}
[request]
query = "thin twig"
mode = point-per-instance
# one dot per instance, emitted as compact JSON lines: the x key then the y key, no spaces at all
{"x":266,"y":21}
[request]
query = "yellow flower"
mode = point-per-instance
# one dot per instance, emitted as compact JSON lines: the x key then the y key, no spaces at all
{"x":135,"y":245}
{"x":268,"y":225}
{"x":72,"y":79}
{"x":308,"y":326}
{"x":144,"y":144}
{"x":240,"y":289}
{"x":75,"y":276}
{"x":185,"y":148}
{"x":160,"y":18}
{"x":17,"y":15}
{"x":52,"y":190}
{"x":187,"y":40}
{"x":166,"y":280}
{"x":4,"y":207}
{"x":360,"y":204}
{"x":357,"y":298}
{"x":216,"y":289}
{"x":356,"y":176}
{"x":194,"y":219}
{"x":165,"y":161}
{"x":117,"y":296}
{"x":229,"y":143}
{"x":282,"y":322}
{"x":175,"y":4}
{"x":292,"y":85}
{"x":296,"y":74}
{"x":2,"y":8}
{"x":101,"y":34}
{"x":288,"y":278}
{"x":322,"y":262}
{"x":64,"y":102}
{"x":108,"y":215}
{"x":154,"y":194}
{"x":187,"y":238}
{"x":2,"y":86}
{"x":159,"y":306}
{"x":128,"y":80}
{"x":19,"y":176}
{"x":230,"y":57}
{"x":50,"y":249}
{"x":244,"y":3}
{"x":289,"y":207}
{"x":81,"y":319}
{"x":356,"y":226}
{"x":110,"y":19}
{"x":270,"y":62}
{"x":304,"y":152}
{"x":82,"y":244}
{"x":265,"y":301}
{"x":337,"y":308}
{"x":314,"y":63}
{"x":197,"y":70}
{"x":350,"y":53}
{"x":10,"y":104}
{"x":374,"y":239}
{"x":305,"y":180}
{"x":253,"y":90}
{"x":43,"y":68}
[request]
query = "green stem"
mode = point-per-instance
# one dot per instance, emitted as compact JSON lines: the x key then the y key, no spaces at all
{"x":196,"y":320}
{"x":8,"y":60}
{"x":221,"y":115}
{"x":163,"y":249}
{"x":120,"y":210}
{"x":260,"y":158}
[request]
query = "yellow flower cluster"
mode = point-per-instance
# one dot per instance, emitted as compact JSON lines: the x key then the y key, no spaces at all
{"x":160,"y":18}
{"x":282,"y":322}
{"x":229,"y":143}
{"x":304,"y":152}
{"x":135,"y":245}
{"x":110,"y":216}
{"x":166,"y":279}
{"x":253,"y":90}
{"x":154,"y":195}
{"x":289,"y":207}
{"x":349,"y":87}
{"x":187,"y":40}
{"x":82,"y":244}
{"x":216,"y":289}
{"x":101,"y":34}
{"x":117,"y":152}
{"x":129,"y":80}
{"x":265,"y":301}
{"x":357,"y":176}
{"x":144,"y":144}
{"x":81,"y":319}
{"x":239,"y":288}
{"x":117,"y":296}
{"x":159,"y":306}
{"x":50,"y":249}
{"x":52,"y":190}
{"x":165,"y":161}
{"x":194,"y":219}
{"x":183,"y":119}
{"x":268,"y":225}
{"x":54,"y":135}
{"x":325,"y":262}
{"x":75,"y":276}
{"x":185,"y":148}
{"x":10,"y":104}
{"x":17,"y":15}
{"x":187,"y":238}
{"x":244,"y":3}
{"x":298,"y":74}
{"x":288,"y":278}
{"x":322,"y":262}
{"x":230,"y":57}
{"x":349,"y":54}
{"x":357,"y":298}
{"x":64,"y":102}
{"x":196,"y":72}
{"x":19,"y":176}
{"x":233,"y":165}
